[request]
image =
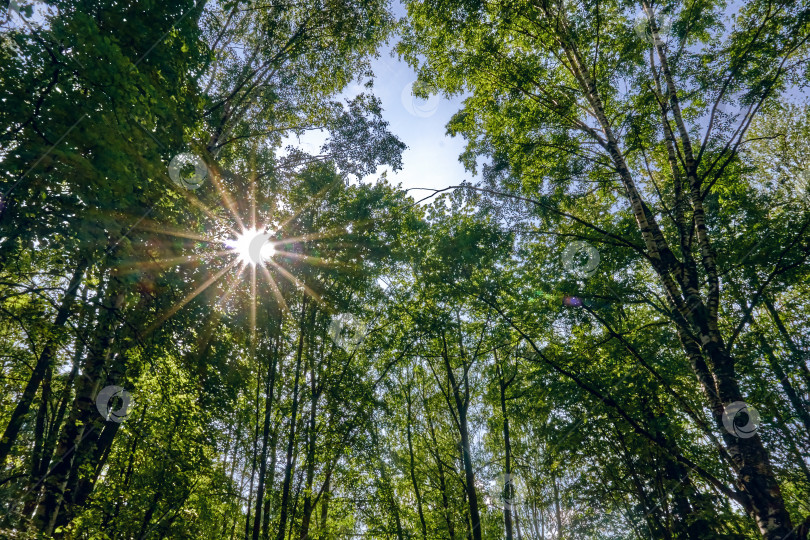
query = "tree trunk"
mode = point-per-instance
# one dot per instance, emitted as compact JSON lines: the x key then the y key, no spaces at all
{"x":448,"y":517}
{"x":388,"y":487}
{"x":306,"y":512}
{"x":327,"y":490}
{"x":269,"y":391}
{"x":272,"y":481}
{"x":150,"y":512}
{"x":65,"y":398}
{"x":50,"y":440}
{"x":755,"y":472}
{"x":509,"y":487}
{"x":412,"y":462}
{"x":98,"y":458}
{"x":288,"y":465}
{"x":236,"y":497}
{"x":306,"y":515}
{"x":254,"y":458}
{"x":82,"y":410}
{"x":130,"y":469}
{"x":39,"y":425}
{"x":56,"y":422}
{"x":44,"y":363}
{"x":91,"y":455}
{"x":557,"y":510}
{"x":461,"y":409}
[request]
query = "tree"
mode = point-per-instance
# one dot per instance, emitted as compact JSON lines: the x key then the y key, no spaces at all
{"x":206,"y":334}
{"x":552,"y":77}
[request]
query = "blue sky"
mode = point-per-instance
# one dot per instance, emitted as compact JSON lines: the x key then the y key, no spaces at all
{"x":431,"y":159}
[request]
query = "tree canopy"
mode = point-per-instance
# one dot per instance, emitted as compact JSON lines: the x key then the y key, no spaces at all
{"x":212,"y":331}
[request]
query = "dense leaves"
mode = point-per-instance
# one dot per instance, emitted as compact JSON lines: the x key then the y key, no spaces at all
{"x":210,"y":332}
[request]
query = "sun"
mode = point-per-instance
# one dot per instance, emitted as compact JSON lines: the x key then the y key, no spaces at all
{"x":253,"y":246}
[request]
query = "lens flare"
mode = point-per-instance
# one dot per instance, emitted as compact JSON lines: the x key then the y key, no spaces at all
{"x":253,"y":247}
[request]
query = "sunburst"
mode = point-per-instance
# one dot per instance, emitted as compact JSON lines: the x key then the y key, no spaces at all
{"x":253,"y":246}
{"x":249,"y":250}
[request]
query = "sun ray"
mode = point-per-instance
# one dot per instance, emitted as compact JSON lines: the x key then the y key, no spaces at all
{"x":138,"y":266}
{"x":330,"y":233}
{"x":194,"y":200}
{"x":283,"y":271}
{"x":216,"y":314}
{"x":276,"y":291}
{"x":253,"y":198}
{"x":318,"y":261}
{"x":253,"y":309}
{"x":230,"y":287}
{"x":151,"y":226}
{"x":191,"y":296}
{"x":318,"y":196}
{"x":216,"y":179}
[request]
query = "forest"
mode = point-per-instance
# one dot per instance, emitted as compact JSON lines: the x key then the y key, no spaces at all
{"x":210,"y":330}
